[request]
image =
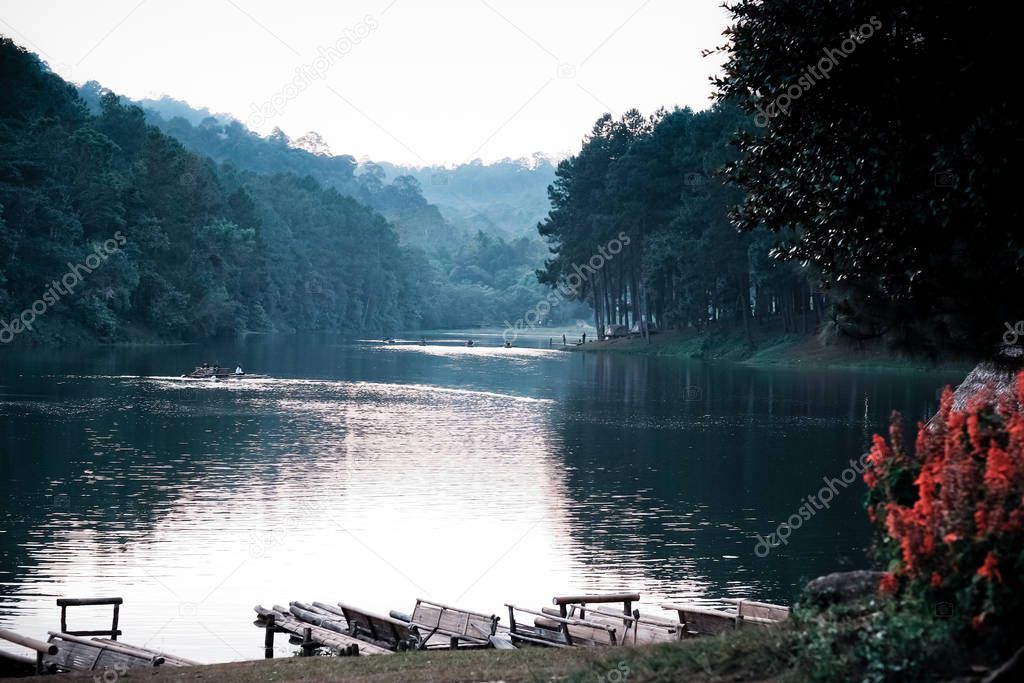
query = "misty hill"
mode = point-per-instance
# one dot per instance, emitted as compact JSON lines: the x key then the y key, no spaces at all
{"x":225,"y":139}
{"x":507,"y":198}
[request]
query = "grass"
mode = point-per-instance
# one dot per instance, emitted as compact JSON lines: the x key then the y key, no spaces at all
{"x":758,"y":654}
{"x":770,"y":348}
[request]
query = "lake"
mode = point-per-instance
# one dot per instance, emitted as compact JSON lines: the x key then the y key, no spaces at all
{"x":375,"y":474}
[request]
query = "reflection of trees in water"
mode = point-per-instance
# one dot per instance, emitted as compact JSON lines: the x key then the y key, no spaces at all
{"x":670,"y":480}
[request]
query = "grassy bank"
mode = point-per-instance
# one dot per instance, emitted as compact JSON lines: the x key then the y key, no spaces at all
{"x":768,"y":349}
{"x":747,"y":655}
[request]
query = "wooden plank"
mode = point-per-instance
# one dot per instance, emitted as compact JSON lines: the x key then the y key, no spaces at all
{"x":700,"y":620}
{"x":169,"y":659}
{"x":151,"y":658}
{"x":760,"y":612}
{"x":582,"y":631}
{"x":74,"y":657}
{"x":79,"y":602}
{"x":639,"y":629}
{"x":475,"y":627}
{"x":397,"y":634}
{"x":542,"y":628}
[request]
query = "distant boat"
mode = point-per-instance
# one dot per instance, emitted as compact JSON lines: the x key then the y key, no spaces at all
{"x":214,"y":371}
{"x":469,"y":342}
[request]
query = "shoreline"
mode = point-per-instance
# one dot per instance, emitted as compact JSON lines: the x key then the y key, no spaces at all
{"x":752,"y":655}
{"x":770,"y":351}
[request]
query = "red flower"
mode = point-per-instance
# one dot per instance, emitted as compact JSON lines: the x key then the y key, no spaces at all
{"x":999,"y":471}
{"x":990,"y":569}
{"x":936,"y":580}
{"x":888,"y":583}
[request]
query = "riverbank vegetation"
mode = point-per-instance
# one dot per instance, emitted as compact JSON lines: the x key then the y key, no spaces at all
{"x":865,"y":156}
{"x":857,"y":206}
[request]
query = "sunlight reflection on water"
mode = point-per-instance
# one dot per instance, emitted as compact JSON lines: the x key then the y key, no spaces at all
{"x":474,"y":476}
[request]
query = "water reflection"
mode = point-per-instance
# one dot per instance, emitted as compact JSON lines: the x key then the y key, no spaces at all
{"x":377,"y":474}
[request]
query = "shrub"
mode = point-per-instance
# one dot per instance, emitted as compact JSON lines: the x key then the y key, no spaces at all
{"x":950,"y":515}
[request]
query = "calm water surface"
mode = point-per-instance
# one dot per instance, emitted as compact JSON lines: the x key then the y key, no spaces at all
{"x":377,"y":474}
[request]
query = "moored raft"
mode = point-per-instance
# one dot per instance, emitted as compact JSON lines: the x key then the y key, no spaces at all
{"x":573,"y":621}
{"x":68,"y":651}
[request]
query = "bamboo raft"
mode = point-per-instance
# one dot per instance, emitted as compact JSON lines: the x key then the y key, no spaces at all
{"x":67,"y":650}
{"x":573,"y":621}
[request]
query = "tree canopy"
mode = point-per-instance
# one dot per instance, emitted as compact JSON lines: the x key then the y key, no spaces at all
{"x":884,"y":155}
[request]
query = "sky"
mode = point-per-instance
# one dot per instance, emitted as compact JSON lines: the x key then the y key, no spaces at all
{"x":415,"y":82}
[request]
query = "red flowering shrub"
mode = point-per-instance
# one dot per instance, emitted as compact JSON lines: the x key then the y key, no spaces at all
{"x":951,"y":514}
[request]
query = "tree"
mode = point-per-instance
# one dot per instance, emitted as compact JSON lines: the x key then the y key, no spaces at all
{"x":886,"y":157}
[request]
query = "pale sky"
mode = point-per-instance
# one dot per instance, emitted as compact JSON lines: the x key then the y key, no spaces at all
{"x":409,"y":81}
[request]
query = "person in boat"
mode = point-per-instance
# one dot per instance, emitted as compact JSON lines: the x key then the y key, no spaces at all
{"x":238,"y":370}
{"x":469,"y":342}
{"x":508,"y":345}
{"x":423,"y":341}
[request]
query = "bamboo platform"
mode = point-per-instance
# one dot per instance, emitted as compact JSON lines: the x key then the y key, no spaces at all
{"x":68,"y":651}
{"x":312,"y":630}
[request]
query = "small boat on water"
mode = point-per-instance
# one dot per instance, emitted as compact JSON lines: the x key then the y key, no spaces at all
{"x":215,"y":371}
{"x":469,"y":342}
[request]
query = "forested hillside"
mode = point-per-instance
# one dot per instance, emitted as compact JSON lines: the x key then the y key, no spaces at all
{"x":655,"y":180}
{"x":479,"y":248}
{"x":251,"y":234}
{"x":208,"y":250}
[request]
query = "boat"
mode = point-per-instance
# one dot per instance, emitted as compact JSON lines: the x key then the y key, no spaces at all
{"x":469,"y":342}
{"x":214,"y":371}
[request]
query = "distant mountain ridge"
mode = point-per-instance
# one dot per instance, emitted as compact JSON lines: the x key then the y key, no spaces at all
{"x":506,"y":198}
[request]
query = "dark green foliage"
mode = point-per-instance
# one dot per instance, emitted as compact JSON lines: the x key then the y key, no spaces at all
{"x":209,"y":250}
{"x":653,"y":179}
{"x":875,"y":640}
{"x":896,"y":173}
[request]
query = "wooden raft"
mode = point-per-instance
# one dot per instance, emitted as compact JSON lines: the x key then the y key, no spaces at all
{"x":699,"y":620}
{"x":445,"y":626}
{"x":96,"y":654}
{"x":321,"y":630}
{"x":67,"y":650}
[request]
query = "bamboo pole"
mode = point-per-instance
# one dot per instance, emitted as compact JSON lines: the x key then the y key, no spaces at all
{"x":31,"y":643}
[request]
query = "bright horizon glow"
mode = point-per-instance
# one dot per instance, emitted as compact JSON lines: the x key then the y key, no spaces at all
{"x":413,"y":83}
